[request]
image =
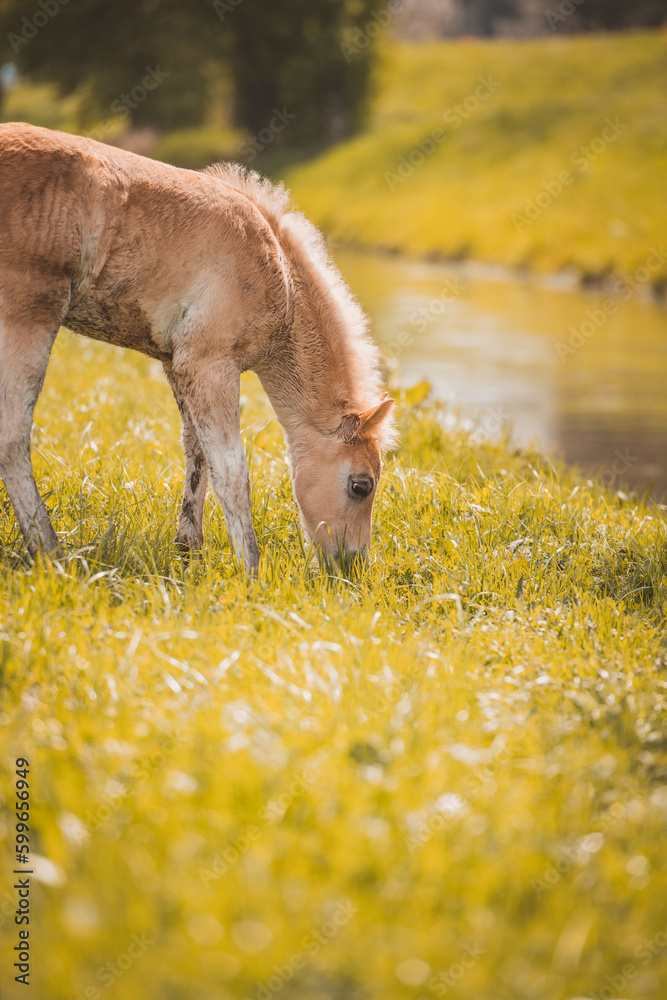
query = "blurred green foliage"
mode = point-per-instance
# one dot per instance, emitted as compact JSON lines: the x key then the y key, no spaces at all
{"x":105,"y":51}
{"x":154,"y":62}
{"x":39,"y":104}
{"x":464,"y":748}
{"x":194,"y":147}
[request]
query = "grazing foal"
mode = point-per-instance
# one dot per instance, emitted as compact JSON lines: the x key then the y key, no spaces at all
{"x":211,"y":274}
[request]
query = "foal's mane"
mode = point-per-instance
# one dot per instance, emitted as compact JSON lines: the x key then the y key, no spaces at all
{"x":341,"y":320}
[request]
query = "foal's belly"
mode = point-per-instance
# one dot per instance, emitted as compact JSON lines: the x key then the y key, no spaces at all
{"x":117,"y":320}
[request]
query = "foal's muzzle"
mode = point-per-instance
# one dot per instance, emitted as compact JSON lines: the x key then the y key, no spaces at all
{"x":350,"y":559}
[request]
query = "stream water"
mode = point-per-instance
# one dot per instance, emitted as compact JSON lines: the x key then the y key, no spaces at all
{"x":580,"y":374}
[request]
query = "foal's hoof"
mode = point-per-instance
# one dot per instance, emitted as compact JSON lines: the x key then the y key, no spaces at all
{"x":51,"y":556}
{"x":188,"y":547}
{"x":251,"y":561}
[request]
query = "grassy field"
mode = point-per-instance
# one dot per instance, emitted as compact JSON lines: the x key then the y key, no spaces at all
{"x":544,"y":154}
{"x":446,"y":778}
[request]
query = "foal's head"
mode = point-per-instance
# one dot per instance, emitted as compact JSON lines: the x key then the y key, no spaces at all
{"x":335,"y":482}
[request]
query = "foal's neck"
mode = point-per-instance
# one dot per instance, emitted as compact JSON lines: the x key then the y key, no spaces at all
{"x":308,"y":379}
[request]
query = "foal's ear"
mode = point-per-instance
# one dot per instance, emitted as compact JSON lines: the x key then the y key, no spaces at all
{"x":373,"y":417}
{"x":348,"y":428}
{"x":355,"y":425}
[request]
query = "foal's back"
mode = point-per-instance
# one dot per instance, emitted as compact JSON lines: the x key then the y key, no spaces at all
{"x":125,"y":249}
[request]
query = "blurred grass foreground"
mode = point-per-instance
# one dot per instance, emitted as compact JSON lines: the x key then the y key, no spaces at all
{"x":449,"y":775}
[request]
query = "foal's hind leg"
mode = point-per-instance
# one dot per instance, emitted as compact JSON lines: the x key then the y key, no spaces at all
{"x":190,"y":533}
{"x":24,"y":355}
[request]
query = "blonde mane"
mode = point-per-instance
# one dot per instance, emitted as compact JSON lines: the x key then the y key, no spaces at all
{"x":341,"y":320}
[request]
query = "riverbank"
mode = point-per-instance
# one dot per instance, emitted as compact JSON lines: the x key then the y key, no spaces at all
{"x":577,"y":372}
{"x":548,"y":155}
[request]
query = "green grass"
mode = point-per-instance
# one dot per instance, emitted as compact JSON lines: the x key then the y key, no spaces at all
{"x":550,"y":98}
{"x":466,"y":748}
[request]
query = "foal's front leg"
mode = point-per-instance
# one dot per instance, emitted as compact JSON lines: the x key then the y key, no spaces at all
{"x":209,"y":392}
{"x":25,"y":347}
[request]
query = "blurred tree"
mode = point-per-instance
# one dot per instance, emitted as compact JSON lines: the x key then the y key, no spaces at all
{"x":311,"y":58}
{"x":135,"y":58}
{"x":151,"y":60}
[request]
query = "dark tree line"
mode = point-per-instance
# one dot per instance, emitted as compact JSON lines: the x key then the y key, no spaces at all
{"x":483,"y":17}
{"x":616,"y":15}
{"x":154,"y":60}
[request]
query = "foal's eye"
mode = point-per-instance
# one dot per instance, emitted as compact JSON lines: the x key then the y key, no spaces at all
{"x":359,"y":489}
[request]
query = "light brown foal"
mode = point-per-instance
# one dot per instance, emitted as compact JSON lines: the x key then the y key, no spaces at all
{"x":211,"y":274}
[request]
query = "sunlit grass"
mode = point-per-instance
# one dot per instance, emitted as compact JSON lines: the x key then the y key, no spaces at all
{"x":465,"y":748}
{"x":546,"y":100}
